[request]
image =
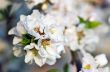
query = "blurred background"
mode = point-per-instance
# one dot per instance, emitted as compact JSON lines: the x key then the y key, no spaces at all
{"x":10,"y":11}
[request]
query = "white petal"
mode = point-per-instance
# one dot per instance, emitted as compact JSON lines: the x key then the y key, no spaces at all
{"x":34,"y":45}
{"x":27,"y":47}
{"x":29,"y":57}
{"x":20,"y":28}
{"x":51,"y":60}
{"x":60,"y":49}
{"x":101,"y":59}
{"x":12,"y":31}
{"x":40,"y":61}
{"x":42,"y":52}
{"x":22,"y":17}
{"x":53,"y":52}
{"x":16,"y":40}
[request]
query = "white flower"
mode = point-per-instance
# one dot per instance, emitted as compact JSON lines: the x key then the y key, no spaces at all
{"x":42,"y":28}
{"x":4,"y":4}
{"x":91,"y":64}
{"x":90,"y":40}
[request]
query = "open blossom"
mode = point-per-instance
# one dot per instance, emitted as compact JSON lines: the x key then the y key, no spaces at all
{"x":90,"y":63}
{"x":79,"y":36}
{"x":87,"y":38}
{"x":90,"y":40}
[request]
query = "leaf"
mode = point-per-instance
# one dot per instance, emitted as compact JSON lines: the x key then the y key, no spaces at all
{"x":26,"y":39}
{"x":81,"y":19}
{"x":92,"y":24}
{"x":53,"y":70}
{"x":66,"y":68}
{"x":28,"y":36}
{"x":89,"y":24}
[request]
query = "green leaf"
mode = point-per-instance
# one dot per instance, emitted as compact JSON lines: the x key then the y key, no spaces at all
{"x":26,"y":39}
{"x":27,"y":36}
{"x":81,"y":19}
{"x":89,"y":24}
{"x":92,"y":24}
{"x":66,"y":68}
{"x":53,"y":70}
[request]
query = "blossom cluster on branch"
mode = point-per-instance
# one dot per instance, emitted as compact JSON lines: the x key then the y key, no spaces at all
{"x":43,"y":36}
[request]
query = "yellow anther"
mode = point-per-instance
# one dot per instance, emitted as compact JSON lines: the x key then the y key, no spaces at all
{"x":88,"y":66}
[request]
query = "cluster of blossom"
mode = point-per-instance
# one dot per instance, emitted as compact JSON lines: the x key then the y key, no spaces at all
{"x":42,"y":40}
{"x":43,"y":36}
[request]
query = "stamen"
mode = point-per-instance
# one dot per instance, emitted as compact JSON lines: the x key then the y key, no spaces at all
{"x":45,"y":42}
{"x":34,"y":51}
{"x":37,"y":29}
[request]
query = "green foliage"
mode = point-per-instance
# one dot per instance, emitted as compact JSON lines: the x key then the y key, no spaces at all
{"x":81,"y":19}
{"x":53,"y":70}
{"x":89,"y":24}
{"x":92,"y":24}
{"x":66,"y":68}
{"x":27,"y":39}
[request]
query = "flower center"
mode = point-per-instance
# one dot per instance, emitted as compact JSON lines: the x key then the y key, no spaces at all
{"x":45,"y":42}
{"x":80,"y":35}
{"x":34,"y":51}
{"x":37,"y":29}
{"x":88,"y":66}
